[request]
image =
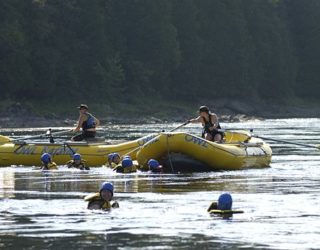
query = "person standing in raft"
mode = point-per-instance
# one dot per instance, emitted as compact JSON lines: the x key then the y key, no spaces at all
{"x":102,"y":199}
{"x":210,"y":124}
{"x":77,"y":162}
{"x":47,"y":162}
{"x":87,"y":122}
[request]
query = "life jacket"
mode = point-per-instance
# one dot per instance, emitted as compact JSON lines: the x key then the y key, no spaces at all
{"x":81,"y":166}
{"x":109,"y":165}
{"x":50,"y":166}
{"x":207,"y":125}
{"x":89,"y":123}
{"x":115,"y":166}
{"x":126,"y":170}
{"x":95,"y":199}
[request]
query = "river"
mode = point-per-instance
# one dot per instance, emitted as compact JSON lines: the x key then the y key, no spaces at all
{"x":281,"y":204}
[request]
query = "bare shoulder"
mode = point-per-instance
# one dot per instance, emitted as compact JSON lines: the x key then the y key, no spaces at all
{"x":214,"y":118}
{"x":214,"y":115}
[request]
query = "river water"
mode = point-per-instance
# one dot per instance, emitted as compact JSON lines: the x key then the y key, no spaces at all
{"x":281,"y":204}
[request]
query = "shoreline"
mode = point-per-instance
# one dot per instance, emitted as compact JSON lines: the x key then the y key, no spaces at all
{"x":235,"y":111}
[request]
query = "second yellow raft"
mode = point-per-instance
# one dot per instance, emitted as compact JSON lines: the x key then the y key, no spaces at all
{"x":238,"y":151}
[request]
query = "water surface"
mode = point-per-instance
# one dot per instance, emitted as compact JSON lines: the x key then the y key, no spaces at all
{"x":281,"y":203}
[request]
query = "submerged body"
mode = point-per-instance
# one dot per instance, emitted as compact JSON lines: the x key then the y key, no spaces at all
{"x":102,"y":199}
{"x":96,"y":202}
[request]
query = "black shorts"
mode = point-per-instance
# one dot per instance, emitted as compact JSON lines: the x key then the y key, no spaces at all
{"x":84,"y":135}
{"x":214,"y":133}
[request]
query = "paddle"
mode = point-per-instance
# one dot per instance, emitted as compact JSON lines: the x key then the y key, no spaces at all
{"x":48,"y":133}
{"x":180,"y":126}
{"x":288,"y":142}
{"x":275,"y":140}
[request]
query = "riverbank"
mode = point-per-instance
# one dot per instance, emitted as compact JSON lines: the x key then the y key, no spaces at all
{"x":18,"y":115}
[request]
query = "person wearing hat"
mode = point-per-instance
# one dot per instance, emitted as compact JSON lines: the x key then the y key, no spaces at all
{"x":77,"y":162}
{"x":126,"y":166}
{"x":47,"y":162}
{"x":116,"y":160}
{"x":210,"y":124}
{"x":223,"y":207}
{"x":224,"y":203}
{"x":102,"y":199}
{"x":154,"y":166}
{"x":109,"y":160}
{"x":87,"y":122}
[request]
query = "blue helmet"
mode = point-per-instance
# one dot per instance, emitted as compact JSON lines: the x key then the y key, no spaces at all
{"x":225,"y":202}
{"x":77,"y":157}
{"x":115,"y":155}
{"x":152,"y":163}
{"x":107,"y":186}
{"x":110,"y":156}
{"x":45,"y":158}
{"x":127,"y":163}
{"x":127,"y":157}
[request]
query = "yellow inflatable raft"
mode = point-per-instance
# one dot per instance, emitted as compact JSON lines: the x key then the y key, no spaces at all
{"x":28,"y":153}
{"x":239,"y":151}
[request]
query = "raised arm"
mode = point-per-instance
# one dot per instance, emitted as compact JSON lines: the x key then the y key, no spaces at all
{"x":196,"y":120}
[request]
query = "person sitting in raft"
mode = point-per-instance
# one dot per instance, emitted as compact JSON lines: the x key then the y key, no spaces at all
{"x":87,"y":122}
{"x":223,"y":206}
{"x":210,"y":124}
{"x":102,"y":199}
{"x":154,"y":166}
{"x":47,"y":162}
{"x":126,"y":166}
{"x":77,"y":162}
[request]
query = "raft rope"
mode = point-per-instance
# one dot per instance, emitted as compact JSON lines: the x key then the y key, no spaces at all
{"x":168,"y":152}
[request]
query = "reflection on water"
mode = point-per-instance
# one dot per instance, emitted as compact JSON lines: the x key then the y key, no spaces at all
{"x":46,"y":210}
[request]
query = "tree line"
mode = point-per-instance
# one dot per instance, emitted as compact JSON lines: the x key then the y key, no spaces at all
{"x":131,"y":50}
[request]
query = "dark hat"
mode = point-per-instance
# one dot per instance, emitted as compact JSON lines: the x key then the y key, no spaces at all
{"x":83,"y":106}
{"x":204,"y":109}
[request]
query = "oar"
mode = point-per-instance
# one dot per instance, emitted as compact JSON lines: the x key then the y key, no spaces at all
{"x":180,"y":126}
{"x":48,"y":133}
{"x":275,"y":140}
{"x":288,"y":142}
